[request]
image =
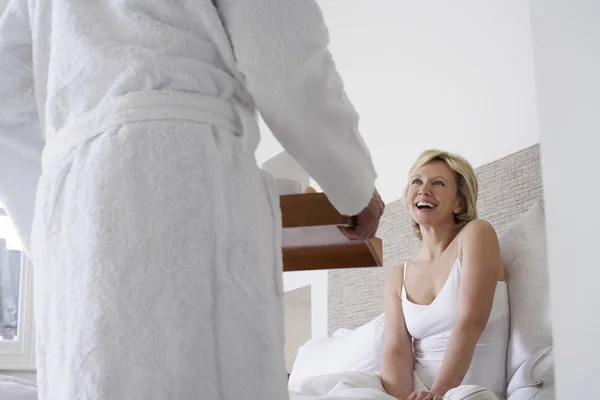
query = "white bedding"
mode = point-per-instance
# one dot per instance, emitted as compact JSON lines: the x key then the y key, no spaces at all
{"x":16,"y":389}
{"x":340,"y":386}
{"x":357,"y":385}
{"x":352,"y":385}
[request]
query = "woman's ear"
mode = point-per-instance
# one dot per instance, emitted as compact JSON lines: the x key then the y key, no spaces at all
{"x":459,"y":207}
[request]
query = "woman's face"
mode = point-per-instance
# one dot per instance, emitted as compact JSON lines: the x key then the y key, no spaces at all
{"x":433,"y":195}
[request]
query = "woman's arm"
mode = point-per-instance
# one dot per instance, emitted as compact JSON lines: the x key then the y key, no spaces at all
{"x":480,"y":272}
{"x":397,"y":357}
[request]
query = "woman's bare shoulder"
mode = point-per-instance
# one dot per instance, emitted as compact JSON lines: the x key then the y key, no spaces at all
{"x":478,"y":229}
{"x":396,"y":272}
{"x":395,"y":277}
{"x":480,"y":241}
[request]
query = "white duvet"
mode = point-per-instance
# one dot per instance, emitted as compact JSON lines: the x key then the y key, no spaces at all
{"x":16,"y":389}
{"x":340,"y":386}
{"x":367,"y":386}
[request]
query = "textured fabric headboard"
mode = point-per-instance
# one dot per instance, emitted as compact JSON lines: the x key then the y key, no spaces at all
{"x":507,"y":188}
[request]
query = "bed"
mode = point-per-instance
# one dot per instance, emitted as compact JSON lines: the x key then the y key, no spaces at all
{"x":16,"y":389}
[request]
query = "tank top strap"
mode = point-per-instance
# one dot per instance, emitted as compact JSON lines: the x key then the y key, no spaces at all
{"x":403,"y":291}
{"x":458,"y":248}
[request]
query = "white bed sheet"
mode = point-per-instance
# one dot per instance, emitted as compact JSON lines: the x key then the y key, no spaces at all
{"x":357,"y":385}
{"x":16,"y":389}
{"x":340,"y":386}
{"x":353,"y":385}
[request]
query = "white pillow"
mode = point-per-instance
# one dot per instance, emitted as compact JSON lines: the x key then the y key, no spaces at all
{"x":357,"y":350}
{"x":523,"y":248}
{"x":547,"y":392}
{"x":340,"y":332}
{"x":535,"y":373}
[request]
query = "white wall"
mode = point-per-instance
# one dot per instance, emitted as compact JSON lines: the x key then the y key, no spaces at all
{"x":282,"y":165}
{"x":318,"y":284}
{"x":566,"y":38}
{"x":297,"y":323}
{"x":454,"y":75}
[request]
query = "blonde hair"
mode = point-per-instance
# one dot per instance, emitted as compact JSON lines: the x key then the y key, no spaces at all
{"x":466,"y":181}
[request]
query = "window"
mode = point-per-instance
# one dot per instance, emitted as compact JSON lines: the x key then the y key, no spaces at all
{"x":16,"y":301}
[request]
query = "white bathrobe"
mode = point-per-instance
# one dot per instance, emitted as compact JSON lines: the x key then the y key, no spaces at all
{"x":155,"y":235}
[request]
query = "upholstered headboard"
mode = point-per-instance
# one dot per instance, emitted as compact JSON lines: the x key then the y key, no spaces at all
{"x":507,"y":188}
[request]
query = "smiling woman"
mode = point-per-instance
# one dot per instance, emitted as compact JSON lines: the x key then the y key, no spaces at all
{"x":446,"y":308}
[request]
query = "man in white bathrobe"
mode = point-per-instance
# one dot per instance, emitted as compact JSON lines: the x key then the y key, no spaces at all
{"x":155,"y":236}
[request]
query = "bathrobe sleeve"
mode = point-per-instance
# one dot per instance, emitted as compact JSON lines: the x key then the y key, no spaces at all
{"x":21,"y":139}
{"x":281,"y":47}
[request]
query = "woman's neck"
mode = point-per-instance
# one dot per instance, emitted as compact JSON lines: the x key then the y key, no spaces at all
{"x":436,"y":240}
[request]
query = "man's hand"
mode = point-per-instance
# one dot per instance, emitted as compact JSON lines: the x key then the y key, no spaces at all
{"x":367,"y":222}
{"x":425,"y":396}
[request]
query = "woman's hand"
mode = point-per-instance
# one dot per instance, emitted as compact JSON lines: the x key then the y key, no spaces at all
{"x":421,"y":395}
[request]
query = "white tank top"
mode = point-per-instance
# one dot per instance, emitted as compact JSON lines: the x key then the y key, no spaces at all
{"x":431,"y":325}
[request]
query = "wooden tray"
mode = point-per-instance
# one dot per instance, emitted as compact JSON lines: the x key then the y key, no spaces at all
{"x":312,"y":239}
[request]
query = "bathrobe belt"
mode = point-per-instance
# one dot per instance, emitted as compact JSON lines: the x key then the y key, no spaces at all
{"x":145,"y":106}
